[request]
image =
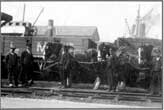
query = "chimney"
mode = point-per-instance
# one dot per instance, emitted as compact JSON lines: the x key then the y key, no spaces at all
{"x":50,"y":28}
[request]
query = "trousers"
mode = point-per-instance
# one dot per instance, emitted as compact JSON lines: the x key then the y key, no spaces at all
{"x":26,"y":73}
{"x":111,"y":79}
{"x":156,"y":82}
{"x":67,"y":78}
{"x":12,"y":75}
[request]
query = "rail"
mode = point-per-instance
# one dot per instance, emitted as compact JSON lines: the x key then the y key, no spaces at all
{"x":83,"y":93}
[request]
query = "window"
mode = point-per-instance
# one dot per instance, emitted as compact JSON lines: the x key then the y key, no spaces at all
{"x":24,"y":24}
{"x":17,"y":24}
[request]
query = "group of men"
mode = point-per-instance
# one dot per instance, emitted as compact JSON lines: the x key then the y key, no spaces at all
{"x":118,"y":65}
{"x":20,"y":70}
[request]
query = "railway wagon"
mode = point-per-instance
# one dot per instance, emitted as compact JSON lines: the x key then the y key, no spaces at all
{"x":38,"y":46}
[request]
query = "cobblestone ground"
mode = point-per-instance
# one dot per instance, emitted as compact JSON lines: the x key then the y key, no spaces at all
{"x":10,"y":102}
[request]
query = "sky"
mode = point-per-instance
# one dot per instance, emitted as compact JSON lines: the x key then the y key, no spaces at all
{"x":108,"y":17}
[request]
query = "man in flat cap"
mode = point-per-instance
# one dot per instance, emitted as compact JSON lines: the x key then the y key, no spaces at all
{"x":111,"y":70}
{"x":67,"y":62}
{"x":12,"y":61}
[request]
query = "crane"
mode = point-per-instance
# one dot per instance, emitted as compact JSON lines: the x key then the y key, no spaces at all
{"x":128,"y":26}
{"x":38,"y":16}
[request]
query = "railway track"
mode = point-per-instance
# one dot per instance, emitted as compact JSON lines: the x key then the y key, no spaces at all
{"x":82,"y":93}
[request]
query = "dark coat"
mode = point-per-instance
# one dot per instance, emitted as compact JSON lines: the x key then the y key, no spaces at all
{"x":26,"y":58}
{"x":66,"y":61}
{"x":112,"y":72}
{"x":156,"y":64}
{"x":146,"y":54}
{"x":156,"y":73}
{"x":11,"y":59}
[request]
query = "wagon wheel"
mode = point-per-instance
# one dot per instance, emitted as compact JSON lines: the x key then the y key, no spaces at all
{"x":38,"y":68}
{"x":41,"y":65}
{"x":49,"y":69}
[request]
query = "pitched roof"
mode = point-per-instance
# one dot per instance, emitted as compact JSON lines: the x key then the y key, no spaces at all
{"x":81,"y":31}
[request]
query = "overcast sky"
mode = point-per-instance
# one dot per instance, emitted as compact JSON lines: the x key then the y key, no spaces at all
{"x":109,"y":17}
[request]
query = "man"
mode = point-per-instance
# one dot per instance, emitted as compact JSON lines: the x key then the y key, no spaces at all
{"x":12,"y":61}
{"x":26,"y":76}
{"x":66,"y":62}
{"x":112,"y":63}
{"x":156,"y":72}
{"x":122,"y":70}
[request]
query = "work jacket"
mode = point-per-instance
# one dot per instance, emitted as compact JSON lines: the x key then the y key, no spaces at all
{"x":11,"y":59}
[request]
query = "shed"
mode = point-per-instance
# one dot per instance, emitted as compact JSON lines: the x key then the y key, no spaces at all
{"x":82,"y":32}
{"x":80,"y":37}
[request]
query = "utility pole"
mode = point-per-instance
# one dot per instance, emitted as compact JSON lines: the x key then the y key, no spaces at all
{"x":24,"y":9}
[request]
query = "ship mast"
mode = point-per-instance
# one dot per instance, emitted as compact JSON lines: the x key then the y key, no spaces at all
{"x":130,"y":33}
{"x":138,"y":23}
{"x":24,"y":8}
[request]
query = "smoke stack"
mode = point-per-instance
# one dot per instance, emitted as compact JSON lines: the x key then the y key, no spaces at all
{"x":50,"y":28}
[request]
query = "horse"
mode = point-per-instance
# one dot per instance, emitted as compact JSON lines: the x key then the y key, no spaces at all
{"x":50,"y":65}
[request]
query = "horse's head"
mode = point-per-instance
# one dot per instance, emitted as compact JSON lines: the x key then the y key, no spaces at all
{"x":53,"y":50}
{"x":92,"y":54}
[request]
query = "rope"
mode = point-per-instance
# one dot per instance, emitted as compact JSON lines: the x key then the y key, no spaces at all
{"x":88,"y":62}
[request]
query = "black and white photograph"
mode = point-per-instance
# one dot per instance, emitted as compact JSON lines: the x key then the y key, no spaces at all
{"x":81,"y":54}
